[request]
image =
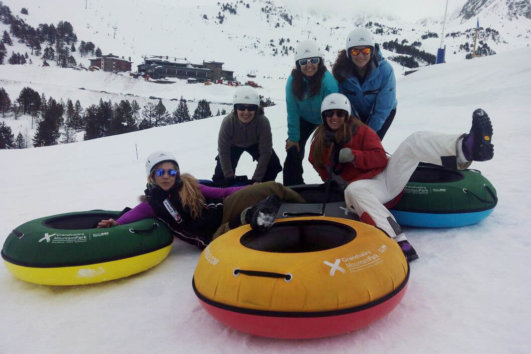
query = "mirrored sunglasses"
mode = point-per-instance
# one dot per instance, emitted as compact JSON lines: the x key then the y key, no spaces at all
{"x":305,"y":61}
{"x":356,"y":51}
{"x":249,"y":107}
{"x":339,"y":113}
{"x":160,"y":172}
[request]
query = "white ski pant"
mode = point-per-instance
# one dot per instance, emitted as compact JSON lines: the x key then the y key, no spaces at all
{"x":369,"y":195}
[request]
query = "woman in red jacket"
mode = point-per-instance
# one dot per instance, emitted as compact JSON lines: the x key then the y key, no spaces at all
{"x":348,"y":152}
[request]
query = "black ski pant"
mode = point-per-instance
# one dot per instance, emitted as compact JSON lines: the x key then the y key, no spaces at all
{"x":293,"y":164}
{"x":387,"y":124}
{"x":273,"y":168}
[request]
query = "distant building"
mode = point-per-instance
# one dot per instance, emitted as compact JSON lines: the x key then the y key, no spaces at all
{"x":111,"y":63}
{"x":159,"y":66}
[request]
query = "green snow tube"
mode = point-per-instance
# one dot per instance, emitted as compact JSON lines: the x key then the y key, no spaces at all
{"x":440,"y":197}
{"x":67,"y":249}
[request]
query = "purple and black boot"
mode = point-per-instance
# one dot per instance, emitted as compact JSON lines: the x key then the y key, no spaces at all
{"x":477,"y":144}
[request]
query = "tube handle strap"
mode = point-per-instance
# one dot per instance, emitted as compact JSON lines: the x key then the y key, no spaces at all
{"x":143,"y":231}
{"x":485,"y":201}
{"x":257,"y":273}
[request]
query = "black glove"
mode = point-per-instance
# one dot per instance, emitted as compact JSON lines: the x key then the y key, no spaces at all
{"x":241,"y":180}
{"x":156,"y":194}
{"x":228,"y":181}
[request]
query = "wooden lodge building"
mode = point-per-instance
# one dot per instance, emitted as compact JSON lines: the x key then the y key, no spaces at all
{"x":158,"y":67}
{"x":111,"y":63}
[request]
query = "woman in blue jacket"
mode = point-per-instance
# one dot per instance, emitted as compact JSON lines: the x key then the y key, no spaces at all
{"x":368,"y":80}
{"x":309,"y":83}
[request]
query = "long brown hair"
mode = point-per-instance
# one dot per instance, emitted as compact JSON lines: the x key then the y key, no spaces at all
{"x":320,"y":141}
{"x":343,"y":67}
{"x":297,"y":81}
{"x":190,"y":194}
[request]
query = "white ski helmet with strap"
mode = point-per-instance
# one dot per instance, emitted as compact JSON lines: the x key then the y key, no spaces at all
{"x":246,"y":95}
{"x":307,"y":49}
{"x":335,"y":101}
{"x":157,"y":157}
{"x":359,"y":37}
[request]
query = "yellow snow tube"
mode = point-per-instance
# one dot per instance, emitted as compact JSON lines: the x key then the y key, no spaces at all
{"x":310,"y":268}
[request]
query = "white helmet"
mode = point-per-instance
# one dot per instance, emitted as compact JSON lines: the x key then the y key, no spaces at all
{"x":335,"y":101}
{"x":246,"y":95}
{"x":359,"y":37}
{"x":157,"y":157}
{"x":307,"y":49}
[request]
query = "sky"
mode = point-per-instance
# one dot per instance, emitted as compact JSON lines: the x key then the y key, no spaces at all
{"x":407,"y":10}
{"x":468,"y":292}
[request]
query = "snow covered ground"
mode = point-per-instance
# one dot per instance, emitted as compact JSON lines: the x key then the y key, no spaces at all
{"x":468,"y":293}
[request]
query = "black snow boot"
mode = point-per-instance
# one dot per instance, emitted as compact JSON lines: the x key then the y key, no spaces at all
{"x":477,"y":145}
{"x":408,"y":250}
{"x":261,"y":216}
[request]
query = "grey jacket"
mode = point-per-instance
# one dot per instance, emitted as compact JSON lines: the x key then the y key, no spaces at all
{"x":235,"y":133}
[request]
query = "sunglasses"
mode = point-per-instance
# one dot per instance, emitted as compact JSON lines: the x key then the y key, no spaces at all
{"x":248,"y":107}
{"x":338,"y":112}
{"x":303,"y":62}
{"x":355,"y":52}
{"x":160,"y":172}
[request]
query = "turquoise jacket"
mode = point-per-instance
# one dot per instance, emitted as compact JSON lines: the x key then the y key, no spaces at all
{"x":374,"y":99}
{"x":309,"y":108}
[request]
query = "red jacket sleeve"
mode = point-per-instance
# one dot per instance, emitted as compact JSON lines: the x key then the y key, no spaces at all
{"x":368,"y":150}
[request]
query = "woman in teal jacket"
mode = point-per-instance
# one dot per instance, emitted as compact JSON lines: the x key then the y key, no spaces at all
{"x":309,"y":83}
{"x":368,"y":81}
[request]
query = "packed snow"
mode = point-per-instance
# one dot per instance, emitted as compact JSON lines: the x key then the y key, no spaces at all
{"x":468,"y":292}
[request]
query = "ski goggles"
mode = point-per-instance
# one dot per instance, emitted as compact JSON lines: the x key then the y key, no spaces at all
{"x":305,"y":61}
{"x":356,"y":51}
{"x":161,"y":172}
{"x":338,"y":112}
{"x":248,"y":107}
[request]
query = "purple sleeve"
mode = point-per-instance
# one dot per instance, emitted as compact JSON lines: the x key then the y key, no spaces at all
{"x":141,"y":211}
{"x":214,"y":192}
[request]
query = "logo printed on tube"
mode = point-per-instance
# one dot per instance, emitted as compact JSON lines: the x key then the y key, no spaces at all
{"x":334,"y":266}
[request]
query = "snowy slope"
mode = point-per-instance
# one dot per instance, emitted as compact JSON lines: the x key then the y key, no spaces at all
{"x":246,"y":41}
{"x":468,"y":292}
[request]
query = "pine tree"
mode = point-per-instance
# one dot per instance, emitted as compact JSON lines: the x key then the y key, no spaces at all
{"x":73,"y":116}
{"x":92,"y":129}
{"x":147,"y":116}
{"x":202,"y":110}
{"x":136,"y":111}
{"x":3,"y":52}
{"x":98,"y":52}
{"x":154,"y":116}
{"x":48,"y":128}
{"x":104,"y":116}
{"x":49,"y":54}
{"x":6,"y":137}
{"x":7,"y":39}
{"x":181,"y":113}
{"x":68,"y":135}
{"x":29,"y":100}
{"x":62,"y":54}
{"x":5,"y":102}
{"x":69,"y":113}
{"x":123,"y":121}
{"x":162,"y":117}
{"x":20,"y":142}
{"x":77,"y":118}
